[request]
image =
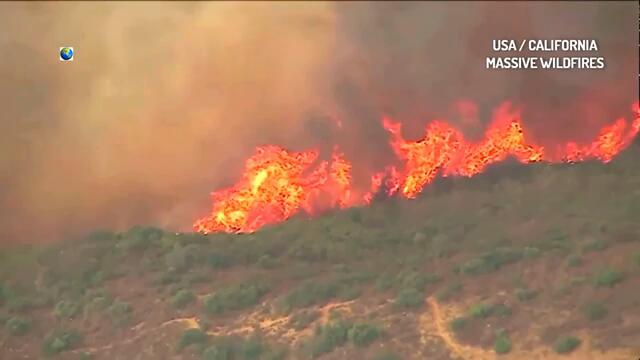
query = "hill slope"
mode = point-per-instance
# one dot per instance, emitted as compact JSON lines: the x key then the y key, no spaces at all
{"x":537,"y":262}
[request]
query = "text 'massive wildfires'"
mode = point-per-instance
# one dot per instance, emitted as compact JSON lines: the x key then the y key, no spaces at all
{"x":545,"y":54}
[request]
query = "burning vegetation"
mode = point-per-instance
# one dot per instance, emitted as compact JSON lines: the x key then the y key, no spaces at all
{"x":277,"y":183}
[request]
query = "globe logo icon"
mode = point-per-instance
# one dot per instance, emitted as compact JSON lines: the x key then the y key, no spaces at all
{"x":66,"y":53}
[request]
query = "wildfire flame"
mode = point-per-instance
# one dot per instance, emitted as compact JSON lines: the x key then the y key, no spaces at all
{"x":278,"y":183}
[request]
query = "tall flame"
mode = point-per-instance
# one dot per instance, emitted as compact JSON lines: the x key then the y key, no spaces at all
{"x":278,"y":183}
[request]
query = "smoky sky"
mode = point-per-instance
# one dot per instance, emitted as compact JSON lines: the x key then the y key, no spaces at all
{"x":164,"y":100}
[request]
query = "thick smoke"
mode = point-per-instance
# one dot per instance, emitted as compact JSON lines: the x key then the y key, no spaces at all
{"x":164,"y":100}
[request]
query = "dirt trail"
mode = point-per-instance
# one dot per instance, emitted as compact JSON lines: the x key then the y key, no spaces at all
{"x":433,"y":323}
{"x":433,"y":330}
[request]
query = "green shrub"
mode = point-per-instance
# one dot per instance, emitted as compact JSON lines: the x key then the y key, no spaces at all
{"x":574,"y":260}
{"x":481,"y":310}
{"x":418,"y":281}
{"x":346,"y":293}
{"x":387,"y":356}
{"x":595,"y":245}
{"x":119,"y":313}
{"x":275,"y":353}
{"x":409,"y":298}
{"x":18,"y":303}
{"x":531,"y":252}
{"x":501,"y":310}
{"x":451,"y":289}
{"x":65,"y":310}
{"x":458,"y":324}
{"x":192,"y":337}
{"x":310,"y":293}
{"x":502,"y":345}
{"x":566,"y":344}
{"x":252,"y":348}
{"x":61,"y":340}
{"x":302,"y":319}
{"x":491,"y":261}
{"x":182,"y":258}
{"x":18,"y":326}
{"x":196,"y":278}
{"x":266,"y":262}
{"x":329,"y":337}
{"x":182,"y":298}
{"x":524,"y":294}
{"x":219,"y":261}
{"x":139,"y":238}
{"x":234,"y":298}
{"x":559,"y":240}
{"x":86,"y":355}
{"x":222,"y":351}
{"x":363,"y":334}
{"x":594,"y":311}
{"x":355,"y":215}
{"x":99,"y":299}
{"x":608,"y":278}
{"x":385,"y":282}
{"x":636,"y":259}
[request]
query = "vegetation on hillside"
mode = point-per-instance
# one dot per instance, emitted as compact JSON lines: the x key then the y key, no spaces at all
{"x":533,"y":235}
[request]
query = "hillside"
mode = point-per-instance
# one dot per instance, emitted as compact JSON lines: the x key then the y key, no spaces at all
{"x":535,"y":262}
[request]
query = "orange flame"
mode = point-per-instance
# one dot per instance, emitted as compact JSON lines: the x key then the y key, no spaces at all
{"x":277,"y":183}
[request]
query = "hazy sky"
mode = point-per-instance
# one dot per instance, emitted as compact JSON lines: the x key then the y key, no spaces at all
{"x":164,"y":100}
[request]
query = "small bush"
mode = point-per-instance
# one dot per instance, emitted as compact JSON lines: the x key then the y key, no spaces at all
{"x":636,"y":259}
{"x":266,"y":262}
{"x":451,"y":290}
{"x":385,"y":282}
{"x":363,"y":334}
{"x":219,"y":261}
{"x":60,"y":340}
{"x":275,"y":353}
{"x":595,"y":245}
{"x":409,"y":298}
{"x":531,"y":252}
{"x":502,"y":345}
{"x":387,"y":356}
{"x":196,"y":278}
{"x":310,"y":293}
{"x":329,"y":337}
{"x":346,"y":293}
{"x":252,"y":348}
{"x":574,"y":260}
{"x":119,"y":313}
{"x":559,"y":240}
{"x":501,"y":310}
{"x":418,"y":281}
{"x":301,"y":320}
{"x":139,"y":238}
{"x":234,"y":298}
{"x":566,"y":344}
{"x":219,"y":351}
{"x":65,"y":310}
{"x":192,"y":337}
{"x":594,"y":311}
{"x":608,"y":278}
{"x":18,"y":326}
{"x":491,"y":261}
{"x":182,"y":298}
{"x":524,"y":294}
{"x":458,"y":324}
{"x":481,"y":310}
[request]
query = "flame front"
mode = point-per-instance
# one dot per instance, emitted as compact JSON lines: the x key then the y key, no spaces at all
{"x":278,"y":183}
